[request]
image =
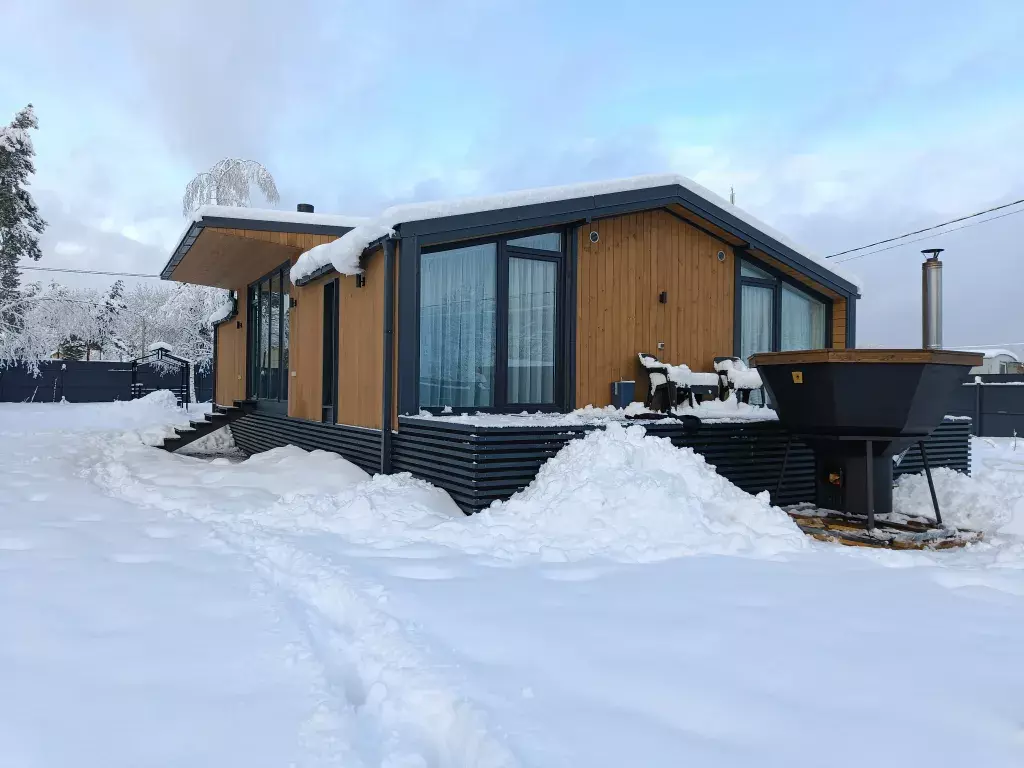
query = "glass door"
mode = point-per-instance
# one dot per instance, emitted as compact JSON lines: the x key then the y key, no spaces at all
{"x":267,"y":359}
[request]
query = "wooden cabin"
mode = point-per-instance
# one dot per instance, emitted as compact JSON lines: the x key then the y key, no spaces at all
{"x":532,"y":301}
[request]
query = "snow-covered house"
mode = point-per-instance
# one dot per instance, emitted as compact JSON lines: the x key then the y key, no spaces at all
{"x":532,"y":300}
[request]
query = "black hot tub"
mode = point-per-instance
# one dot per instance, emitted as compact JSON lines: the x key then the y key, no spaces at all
{"x":856,"y":408}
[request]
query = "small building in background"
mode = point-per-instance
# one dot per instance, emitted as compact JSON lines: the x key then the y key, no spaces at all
{"x":997,"y":361}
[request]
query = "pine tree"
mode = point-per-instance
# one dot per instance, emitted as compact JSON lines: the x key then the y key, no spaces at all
{"x":20,"y":223}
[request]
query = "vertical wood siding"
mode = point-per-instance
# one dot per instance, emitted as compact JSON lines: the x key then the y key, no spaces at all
{"x":230,"y":360}
{"x":360,"y":361}
{"x":305,"y":351}
{"x":618,"y":313}
{"x":839,"y":324}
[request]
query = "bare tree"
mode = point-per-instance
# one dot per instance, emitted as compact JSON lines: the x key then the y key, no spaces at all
{"x":228,"y":183}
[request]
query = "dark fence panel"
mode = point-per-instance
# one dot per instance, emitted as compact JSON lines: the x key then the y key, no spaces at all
{"x":81,"y":381}
{"x":478,"y":465}
{"x":996,"y":405}
{"x":262,"y":431}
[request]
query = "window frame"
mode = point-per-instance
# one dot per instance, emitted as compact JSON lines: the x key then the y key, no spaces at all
{"x":252,"y":341}
{"x":775,"y":281}
{"x":504,"y":251}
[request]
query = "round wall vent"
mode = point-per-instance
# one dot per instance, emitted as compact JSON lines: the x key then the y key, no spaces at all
{"x":721,"y":255}
{"x":594,"y":237}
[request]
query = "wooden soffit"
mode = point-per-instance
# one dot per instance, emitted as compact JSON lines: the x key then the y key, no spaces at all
{"x":229,"y":258}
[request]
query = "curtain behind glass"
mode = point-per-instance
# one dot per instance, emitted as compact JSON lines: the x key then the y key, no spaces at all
{"x":285,"y":332}
{"x":531,"y":330}
{"x":457,"y":320}
{"x":264,"y":331}
{"x":756,"y":305}
{"x":803,"y":320}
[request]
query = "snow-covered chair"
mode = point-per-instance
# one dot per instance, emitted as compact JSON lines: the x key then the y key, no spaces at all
{"x":735,"y":376}
{"x":674,"y":384}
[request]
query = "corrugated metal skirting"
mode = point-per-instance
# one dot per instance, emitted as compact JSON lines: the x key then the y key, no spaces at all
{"x":262,"y":431}
{"x":478,"y":465}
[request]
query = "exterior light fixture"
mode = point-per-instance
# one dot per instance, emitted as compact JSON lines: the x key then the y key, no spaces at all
{"x":594,"y":237}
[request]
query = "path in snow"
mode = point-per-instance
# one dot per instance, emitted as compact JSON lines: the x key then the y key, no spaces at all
{"x":375,"y":626}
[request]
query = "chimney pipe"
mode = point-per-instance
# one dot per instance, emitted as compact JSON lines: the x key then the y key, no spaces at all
{"x":931,"y":299}
{"x":304,"y":208}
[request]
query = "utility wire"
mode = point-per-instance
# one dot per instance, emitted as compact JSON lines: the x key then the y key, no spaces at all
{"x":928,"y":229}
{"x":926,"y":237}
{"x":88,"y":272}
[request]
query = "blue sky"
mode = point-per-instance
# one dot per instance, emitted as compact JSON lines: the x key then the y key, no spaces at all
{"x":839,"y":123}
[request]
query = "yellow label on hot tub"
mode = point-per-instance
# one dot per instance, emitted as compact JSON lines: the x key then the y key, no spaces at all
{"x":798,"y":377}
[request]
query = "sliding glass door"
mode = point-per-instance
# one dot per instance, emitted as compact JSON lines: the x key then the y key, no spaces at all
{"x":488,"y":320}
{"x":268,"y":338}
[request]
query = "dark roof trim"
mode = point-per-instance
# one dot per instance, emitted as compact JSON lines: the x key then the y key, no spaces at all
{"x":227,"y":222}
{"x":462,"y":226}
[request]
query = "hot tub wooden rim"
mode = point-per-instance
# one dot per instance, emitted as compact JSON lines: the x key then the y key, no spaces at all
{"x":890,"y":356}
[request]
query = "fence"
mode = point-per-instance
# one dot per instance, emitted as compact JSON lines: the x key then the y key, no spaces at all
{"x":81,"y":381}
{"x":995,"y":404}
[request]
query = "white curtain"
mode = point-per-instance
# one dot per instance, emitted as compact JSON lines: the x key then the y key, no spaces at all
{"x":803,"y":320}
{"x":531,"y":331}
{"x":756,"y":304}
{"x":457,"y":320}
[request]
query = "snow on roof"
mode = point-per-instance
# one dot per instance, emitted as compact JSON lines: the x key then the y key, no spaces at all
{"x":272,"y":215}
{"x":991,"y":352}
{"x":339,"y":251}
{"x":160,"y":345}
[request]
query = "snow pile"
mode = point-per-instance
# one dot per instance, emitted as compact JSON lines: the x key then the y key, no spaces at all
{"x":990,"y":500}
{"x":739,"y":375}
{"x":343,"y":254}
{"x":965,"y":502}
{"x":220,"y":442}
{"x":621,"y":494}
{"x":157,"y":345}
{"x":370,"y":230}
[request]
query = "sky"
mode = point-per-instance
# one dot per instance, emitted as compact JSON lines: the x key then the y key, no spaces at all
{"x":838,"y":123}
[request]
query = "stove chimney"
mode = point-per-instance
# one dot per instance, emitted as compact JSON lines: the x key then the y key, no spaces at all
{"x":931,"y":299}
{"x":304,"y":208}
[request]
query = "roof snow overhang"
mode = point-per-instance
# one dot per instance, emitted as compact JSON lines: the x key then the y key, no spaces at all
{"x":725,"y":222}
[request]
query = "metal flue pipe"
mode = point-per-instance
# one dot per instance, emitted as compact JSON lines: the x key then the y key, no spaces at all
{"x":931,"y":299}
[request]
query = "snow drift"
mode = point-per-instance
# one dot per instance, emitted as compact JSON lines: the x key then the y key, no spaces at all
{"x":620,"y":493}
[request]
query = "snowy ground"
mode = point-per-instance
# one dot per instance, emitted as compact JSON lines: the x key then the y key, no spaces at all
{"x":631,"y":608}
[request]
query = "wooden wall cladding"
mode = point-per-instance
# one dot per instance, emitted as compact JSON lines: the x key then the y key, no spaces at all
{"x":618,"y":313}
{"x":361,"y":350}
{"x":230,"y":362}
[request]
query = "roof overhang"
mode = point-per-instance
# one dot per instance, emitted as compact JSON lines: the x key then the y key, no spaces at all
{"x":215,"y":250}
{"x":675,"y":198}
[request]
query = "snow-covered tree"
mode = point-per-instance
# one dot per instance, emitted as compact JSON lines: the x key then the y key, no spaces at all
{"x":20,"y":223}
{"x":229,"y":183}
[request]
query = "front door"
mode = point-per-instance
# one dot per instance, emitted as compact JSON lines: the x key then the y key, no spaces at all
{"x":268,"y":340}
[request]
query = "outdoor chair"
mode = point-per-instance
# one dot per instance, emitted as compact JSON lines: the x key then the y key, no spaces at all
{"x":661,"y":394}
{"x":735,"y":376}
{"x":676,"y":384}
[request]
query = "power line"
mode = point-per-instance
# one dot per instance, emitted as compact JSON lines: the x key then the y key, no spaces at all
{"x":89,"y":272}
{"x":926,"y":237}
{"x":928,"y":229}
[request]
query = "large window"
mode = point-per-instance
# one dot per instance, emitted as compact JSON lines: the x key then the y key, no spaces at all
{"x":489,"y":324}
{"x":776,"y":315}
{"x":268,"y":337}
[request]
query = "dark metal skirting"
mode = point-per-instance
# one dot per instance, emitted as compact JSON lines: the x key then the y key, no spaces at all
{"x":948,"y":446}
{"x":261,"y":431}
{"x":478,"y":465}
